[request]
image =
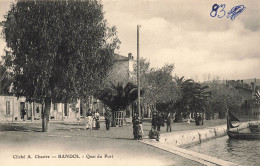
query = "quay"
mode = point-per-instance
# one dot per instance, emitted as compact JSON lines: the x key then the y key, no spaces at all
{"x":26,"y":138}
{"x":175,"y":141}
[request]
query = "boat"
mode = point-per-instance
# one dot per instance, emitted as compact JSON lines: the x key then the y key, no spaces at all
{"x":245,"y":136}
{"x":235,"y":134}
{"x":254,"y":127}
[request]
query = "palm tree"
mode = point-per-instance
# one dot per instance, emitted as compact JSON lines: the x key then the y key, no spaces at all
{"x":118,"y":97}
{"x":193,"y":97}
{"x":198,"y":102}
{"x":181,"y":105}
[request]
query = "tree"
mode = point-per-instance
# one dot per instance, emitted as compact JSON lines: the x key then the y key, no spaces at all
{"x":224,"y":98}
{"x":61,"y":50}
{"x":118,"y":97}
{"x":5,"y":80}
{"x":193,"y":97}
{"x":158,"y":85}
{"x":161,"y":87}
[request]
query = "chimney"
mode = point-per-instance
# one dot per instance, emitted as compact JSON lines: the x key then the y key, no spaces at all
{"x":130,"y":56}
{"x":253,"y":85}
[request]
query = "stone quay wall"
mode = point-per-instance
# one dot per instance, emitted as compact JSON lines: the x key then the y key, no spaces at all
{"x":188,"y":137}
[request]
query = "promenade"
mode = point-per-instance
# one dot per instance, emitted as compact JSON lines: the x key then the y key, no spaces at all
{"x":116,"y":147}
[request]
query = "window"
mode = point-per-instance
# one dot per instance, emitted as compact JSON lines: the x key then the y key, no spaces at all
{"x":7,"y":107}
{"x":65,"y":109}
{"x":55,"y":106}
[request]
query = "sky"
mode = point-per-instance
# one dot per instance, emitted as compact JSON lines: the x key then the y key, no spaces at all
{"x":183,"y":33}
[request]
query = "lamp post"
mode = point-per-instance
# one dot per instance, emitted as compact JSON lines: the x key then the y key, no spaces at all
{"x":138,"y":72}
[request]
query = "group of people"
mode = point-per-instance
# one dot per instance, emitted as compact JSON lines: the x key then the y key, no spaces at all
{"x":137,"y":127}
{"x":92,"y":120}
{"x":158,"y":120}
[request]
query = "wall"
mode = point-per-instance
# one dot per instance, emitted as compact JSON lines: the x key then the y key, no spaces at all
{"x":120,"y":72}
{"x":14,"y":108}
{"x":188,"y":137}
{"x":15,"y":114}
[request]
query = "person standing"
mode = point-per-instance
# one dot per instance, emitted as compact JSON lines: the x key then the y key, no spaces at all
{"x":154,"y":120}
{"x":97,"y":119}
{"x":163,"y":119}
{"x":93,"y":121}
{"x":140,"y":131}
{"x":135,"y":125}
{"x":86,"y":122}
{"x":108,"y":119}
{"x":168,"y":122}
{"x":159,"y":121}
{"x":24,"y":114}
{"x":90,"y":119}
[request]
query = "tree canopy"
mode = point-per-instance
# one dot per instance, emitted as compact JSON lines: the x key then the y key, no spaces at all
{"x":223,"y":98}
{"x":193,"y":97}
{"x":118,"y":97}
{"x":157,"y":83}
{"x":60,"y":50}
{"x":5,"y":80}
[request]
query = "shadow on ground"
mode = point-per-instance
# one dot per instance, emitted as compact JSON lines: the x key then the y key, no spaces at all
{"x":9,"y":127}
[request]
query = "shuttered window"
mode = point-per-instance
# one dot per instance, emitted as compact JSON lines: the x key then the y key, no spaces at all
{"x":8,"y":108}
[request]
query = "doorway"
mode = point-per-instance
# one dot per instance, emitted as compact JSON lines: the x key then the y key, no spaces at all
{"x":22,"y":106}
{"x":119,"y":118}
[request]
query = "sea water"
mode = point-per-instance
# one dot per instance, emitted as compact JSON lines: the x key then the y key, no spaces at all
{"x":242,"y":152}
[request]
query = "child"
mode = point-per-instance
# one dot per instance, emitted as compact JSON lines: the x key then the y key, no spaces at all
{"x":140,"y":131}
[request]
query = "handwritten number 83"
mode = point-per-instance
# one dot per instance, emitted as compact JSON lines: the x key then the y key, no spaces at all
{"x":215,"y":12}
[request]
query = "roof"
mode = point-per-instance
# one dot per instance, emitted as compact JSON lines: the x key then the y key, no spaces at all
{"x":121,"y":57}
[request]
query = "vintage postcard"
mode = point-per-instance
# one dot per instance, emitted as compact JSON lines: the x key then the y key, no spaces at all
{"x":129,"y":82}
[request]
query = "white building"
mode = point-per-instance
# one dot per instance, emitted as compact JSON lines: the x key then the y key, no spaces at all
{"x":11,"y":110}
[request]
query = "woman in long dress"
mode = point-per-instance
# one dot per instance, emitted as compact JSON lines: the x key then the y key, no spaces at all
{"x":93,"y":121}
{"x":87,"y":124}
{"x":97,"y":119}
{"x":90,"y":119}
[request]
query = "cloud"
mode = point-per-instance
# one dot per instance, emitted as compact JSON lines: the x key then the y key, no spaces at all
{"x":184,"y":33}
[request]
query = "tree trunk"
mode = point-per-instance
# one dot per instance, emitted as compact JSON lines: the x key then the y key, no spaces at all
{"x":46,"y":114}
{"x":113,"y":123}
{"x":32,"y":111}
{"x":84,"y":109}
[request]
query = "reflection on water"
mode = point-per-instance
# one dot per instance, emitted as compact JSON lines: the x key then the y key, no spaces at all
{"x":243,"y":152}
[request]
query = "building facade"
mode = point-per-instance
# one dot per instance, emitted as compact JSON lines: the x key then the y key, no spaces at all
{"x":11,"y":107}
{"x":250,"y":90}
{"x":11,"y":110}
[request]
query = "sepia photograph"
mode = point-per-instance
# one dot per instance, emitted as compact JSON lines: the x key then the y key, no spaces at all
{"x":130,"y":82}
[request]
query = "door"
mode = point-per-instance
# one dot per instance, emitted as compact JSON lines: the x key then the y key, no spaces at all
{"x":22,"y":106}
{"x":65,"y":109}
{"x":119,"y":118}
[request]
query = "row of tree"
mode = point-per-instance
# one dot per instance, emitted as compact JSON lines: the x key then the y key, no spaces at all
{"x":185,"y":96}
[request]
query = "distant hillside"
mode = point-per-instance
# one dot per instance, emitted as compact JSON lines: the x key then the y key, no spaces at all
{"x":247,"y":81}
